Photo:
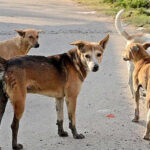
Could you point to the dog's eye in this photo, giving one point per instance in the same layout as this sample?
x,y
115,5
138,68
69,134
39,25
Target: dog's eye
x,y
87,56
37,36
99,54
31,37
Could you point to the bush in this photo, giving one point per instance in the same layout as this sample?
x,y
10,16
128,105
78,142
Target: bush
x,y
109,1
129,3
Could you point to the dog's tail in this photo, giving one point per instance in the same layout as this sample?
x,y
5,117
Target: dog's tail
x,y
3,64
3,96
119,27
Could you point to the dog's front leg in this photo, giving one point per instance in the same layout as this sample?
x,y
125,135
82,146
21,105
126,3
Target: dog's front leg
x,y
71,106
60,116
130,80
136,97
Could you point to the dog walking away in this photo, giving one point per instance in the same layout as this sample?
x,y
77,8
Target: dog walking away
x,y
141,77
137,38
59,76
18,46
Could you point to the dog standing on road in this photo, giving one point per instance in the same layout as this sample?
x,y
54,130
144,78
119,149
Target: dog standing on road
x,y
60,76
141,77
18,46
137,38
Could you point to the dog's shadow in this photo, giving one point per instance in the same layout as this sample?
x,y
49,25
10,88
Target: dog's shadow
x,y
142,123
3,149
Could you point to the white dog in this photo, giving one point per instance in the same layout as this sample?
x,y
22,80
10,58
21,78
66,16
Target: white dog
x,y
136,38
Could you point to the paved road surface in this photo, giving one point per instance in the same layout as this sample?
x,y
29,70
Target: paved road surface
x,y
103,93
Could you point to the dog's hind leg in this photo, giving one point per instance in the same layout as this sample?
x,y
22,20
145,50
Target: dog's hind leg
x,y
60,116
147,133
15,127
3,101
18,111
17,98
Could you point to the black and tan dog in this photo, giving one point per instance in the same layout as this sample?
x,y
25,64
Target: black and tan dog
x,y
141,77
59,76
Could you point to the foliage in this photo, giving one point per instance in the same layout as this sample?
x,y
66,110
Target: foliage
x,y
129,3
136,12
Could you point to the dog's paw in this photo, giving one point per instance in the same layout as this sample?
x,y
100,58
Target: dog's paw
x,y
144,94
63,134
18,147
136,119
79,136
146,137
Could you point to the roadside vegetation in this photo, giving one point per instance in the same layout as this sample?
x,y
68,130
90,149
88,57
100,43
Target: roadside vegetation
x,y
137,12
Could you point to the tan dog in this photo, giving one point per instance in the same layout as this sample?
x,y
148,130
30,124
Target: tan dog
x,y
141,77
18,46
60,76
136,38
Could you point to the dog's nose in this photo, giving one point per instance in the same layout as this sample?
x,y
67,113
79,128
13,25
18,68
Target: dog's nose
x,y
95,68
125,59
36,45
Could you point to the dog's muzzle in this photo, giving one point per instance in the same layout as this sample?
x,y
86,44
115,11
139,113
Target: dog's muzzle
x,y
36,45
95,68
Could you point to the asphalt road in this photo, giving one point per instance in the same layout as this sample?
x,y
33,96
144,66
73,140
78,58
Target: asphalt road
x,y
105,92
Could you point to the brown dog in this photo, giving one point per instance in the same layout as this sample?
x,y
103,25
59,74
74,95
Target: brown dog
x,y
18,46
141,77
60,76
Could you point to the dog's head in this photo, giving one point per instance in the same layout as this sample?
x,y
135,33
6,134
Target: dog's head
x,y
134,51
30,36
91,53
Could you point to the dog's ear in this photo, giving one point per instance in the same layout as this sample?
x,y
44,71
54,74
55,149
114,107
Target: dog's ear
x,y
135,48
40,31
104,42
146,45
80,44
21,32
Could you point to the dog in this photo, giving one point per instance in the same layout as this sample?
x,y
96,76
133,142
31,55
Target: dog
x,y
141,77
59,76
137,38
18,46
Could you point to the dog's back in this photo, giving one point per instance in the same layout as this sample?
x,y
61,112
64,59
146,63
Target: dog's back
x,y
7,49
38,73
142,72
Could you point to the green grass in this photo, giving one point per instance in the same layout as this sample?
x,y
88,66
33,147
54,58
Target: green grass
x,y
99,6
136,16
